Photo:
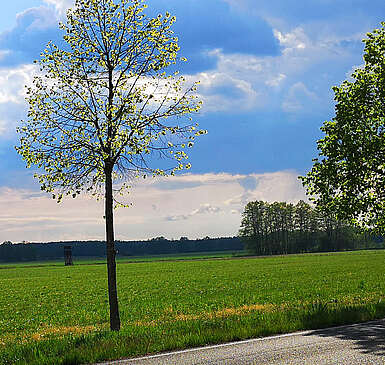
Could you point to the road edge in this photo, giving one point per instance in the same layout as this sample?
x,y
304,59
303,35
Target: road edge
x,y
258,339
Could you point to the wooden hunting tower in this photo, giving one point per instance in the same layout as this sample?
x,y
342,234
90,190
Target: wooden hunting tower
x,y
68,255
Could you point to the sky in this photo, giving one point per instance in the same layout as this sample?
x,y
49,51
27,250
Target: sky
x,y
266,70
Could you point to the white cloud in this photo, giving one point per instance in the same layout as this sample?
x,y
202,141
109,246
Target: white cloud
x,y
298,98
61,6
240,82
277,186
207,204
203,209
298,52
292,41
12,82
43,18
220,92
245,82
276,81
12,95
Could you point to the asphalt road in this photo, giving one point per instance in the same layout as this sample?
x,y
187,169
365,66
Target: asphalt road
x,y
357,344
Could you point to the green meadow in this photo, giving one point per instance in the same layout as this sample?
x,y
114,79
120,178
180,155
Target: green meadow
x,y
51,314
129,259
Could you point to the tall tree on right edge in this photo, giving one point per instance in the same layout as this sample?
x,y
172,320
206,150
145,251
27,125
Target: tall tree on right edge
x,y
348,177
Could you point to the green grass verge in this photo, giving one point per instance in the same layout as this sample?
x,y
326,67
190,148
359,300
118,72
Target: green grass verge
x,y
59,315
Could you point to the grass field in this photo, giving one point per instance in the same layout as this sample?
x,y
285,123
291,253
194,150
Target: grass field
x,y
59,315
128,259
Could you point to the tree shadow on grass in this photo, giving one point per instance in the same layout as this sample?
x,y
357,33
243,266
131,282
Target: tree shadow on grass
x,y
369,338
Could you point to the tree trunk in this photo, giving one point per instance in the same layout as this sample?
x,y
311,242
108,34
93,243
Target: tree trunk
x,y
111,253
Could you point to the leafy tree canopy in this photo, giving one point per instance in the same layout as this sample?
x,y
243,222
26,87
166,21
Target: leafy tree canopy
x,y
105,100
348,177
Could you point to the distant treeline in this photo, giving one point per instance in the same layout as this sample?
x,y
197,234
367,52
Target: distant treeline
x,y
54,250
282,228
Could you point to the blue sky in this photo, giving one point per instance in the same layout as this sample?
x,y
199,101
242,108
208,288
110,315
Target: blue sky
x,y
266,70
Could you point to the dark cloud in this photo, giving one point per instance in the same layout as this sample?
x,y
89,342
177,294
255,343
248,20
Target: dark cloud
x,y
176,185
202,27
175,218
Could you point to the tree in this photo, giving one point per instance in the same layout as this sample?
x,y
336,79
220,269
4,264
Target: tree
x,y
348,177
305,225
103,109
253,226
282,228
